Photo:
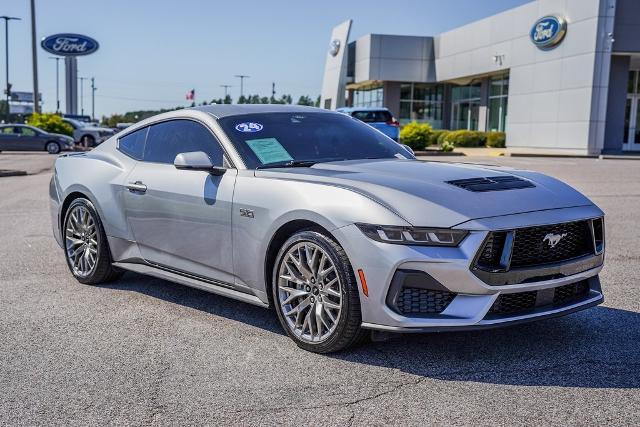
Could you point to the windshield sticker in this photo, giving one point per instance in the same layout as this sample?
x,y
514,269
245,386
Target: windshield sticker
x,y
249,127
269,150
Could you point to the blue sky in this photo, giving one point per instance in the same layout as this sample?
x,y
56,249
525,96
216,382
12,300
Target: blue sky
x,y
152,52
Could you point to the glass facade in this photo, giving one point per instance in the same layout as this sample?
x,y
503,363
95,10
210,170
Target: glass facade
x,y
465,106
421,102
498,100
632,112
369,97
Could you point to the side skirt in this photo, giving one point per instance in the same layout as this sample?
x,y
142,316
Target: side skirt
x,y
215,287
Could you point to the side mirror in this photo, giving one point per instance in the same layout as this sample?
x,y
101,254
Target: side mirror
x,y
197,161
409,149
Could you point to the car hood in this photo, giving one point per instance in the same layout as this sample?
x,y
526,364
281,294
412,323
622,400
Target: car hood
x,y
419,192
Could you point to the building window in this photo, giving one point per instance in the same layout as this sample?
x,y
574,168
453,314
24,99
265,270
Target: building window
x,y
498,100
421,102
368,97
465,106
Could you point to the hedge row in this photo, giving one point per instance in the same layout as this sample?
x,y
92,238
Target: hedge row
x,y
420,135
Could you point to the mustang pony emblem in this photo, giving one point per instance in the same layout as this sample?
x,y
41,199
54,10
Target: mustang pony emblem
x,y
553,239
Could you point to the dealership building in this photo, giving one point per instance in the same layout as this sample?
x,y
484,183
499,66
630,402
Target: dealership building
x,y
558,76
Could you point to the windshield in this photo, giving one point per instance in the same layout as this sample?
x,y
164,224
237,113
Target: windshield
x,y
302,139
75,123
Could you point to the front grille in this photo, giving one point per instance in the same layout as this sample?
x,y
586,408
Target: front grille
x,y
491,252
523,302
492,183
423,301
533,246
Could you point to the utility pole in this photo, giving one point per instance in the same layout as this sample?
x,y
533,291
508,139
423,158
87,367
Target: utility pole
x,y
34,58
226,89
82,79
273,91
242,77
6,47
57,58
93,99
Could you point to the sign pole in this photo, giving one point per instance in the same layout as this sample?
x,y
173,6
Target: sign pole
x,y
34,59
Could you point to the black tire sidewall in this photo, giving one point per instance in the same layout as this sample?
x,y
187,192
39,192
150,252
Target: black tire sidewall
x,y
350,308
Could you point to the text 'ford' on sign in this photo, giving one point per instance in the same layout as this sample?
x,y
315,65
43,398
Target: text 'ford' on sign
x,y
548,31
69,44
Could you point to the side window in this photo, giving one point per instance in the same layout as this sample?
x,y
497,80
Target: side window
x,y
365,116
27,131
168,139
133,144
7,130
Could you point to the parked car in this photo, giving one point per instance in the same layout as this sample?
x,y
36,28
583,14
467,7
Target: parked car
x,y
87,134
379,118
337,227
28,138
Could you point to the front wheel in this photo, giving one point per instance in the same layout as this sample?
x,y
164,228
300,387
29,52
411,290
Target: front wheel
x,y
316,294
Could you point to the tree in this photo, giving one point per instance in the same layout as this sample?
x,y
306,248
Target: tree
x,y
227,100
242,100
49,122
305,100
317,101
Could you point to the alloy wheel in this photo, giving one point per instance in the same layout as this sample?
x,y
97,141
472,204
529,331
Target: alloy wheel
x,y
309,292
81,241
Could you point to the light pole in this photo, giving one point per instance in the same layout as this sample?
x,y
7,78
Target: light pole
x,y
6,47
57,58
241,77
93,99
82,79
226,90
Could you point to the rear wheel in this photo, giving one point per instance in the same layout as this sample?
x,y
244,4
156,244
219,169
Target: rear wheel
x,y
86,247
316,294
52,147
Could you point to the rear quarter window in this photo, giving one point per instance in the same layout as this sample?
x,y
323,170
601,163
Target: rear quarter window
x,y
372,116
133,144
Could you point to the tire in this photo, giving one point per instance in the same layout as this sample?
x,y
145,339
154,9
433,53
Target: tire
x,y
88,140
52,147
334,329
89,238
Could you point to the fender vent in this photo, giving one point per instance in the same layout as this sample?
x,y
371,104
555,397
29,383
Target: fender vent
x,y
492,183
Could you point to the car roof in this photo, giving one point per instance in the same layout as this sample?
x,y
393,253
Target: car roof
x,y
227,110
352,109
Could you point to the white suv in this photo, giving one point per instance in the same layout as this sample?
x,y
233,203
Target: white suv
x,y
87,134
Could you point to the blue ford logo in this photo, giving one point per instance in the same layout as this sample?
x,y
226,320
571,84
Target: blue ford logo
x,y
69,44
548,31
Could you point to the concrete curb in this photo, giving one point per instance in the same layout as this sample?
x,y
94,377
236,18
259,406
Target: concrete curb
x,y
5,172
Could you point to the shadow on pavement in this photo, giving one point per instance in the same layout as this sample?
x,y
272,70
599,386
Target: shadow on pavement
x,y
596,348
199,300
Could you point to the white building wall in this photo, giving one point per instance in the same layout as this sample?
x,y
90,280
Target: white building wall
x,y
557,98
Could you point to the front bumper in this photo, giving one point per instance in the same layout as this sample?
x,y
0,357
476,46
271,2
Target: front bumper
x,y
472,306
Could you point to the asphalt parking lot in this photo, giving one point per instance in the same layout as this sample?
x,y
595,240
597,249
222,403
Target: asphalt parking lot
x,y
143,351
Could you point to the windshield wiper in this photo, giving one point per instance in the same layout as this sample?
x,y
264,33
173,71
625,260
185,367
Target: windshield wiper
x,y
296,163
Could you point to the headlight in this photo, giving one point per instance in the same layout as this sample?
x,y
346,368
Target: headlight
x,y
413,235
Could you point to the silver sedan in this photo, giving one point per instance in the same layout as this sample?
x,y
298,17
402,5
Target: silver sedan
x,y
334,225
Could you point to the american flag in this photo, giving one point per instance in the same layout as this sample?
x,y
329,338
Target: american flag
x,y
191,95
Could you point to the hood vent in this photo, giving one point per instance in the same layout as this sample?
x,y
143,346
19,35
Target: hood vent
x,y
492,183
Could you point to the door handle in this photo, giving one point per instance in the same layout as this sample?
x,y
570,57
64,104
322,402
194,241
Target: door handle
x,y
137,187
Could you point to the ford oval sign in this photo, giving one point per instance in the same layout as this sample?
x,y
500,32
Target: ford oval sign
x,y
548,31
69,44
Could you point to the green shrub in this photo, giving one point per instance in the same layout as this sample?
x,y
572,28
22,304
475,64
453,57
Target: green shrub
x,y
50,123
416,135
441,137
435,134
447,146
496,139
466,138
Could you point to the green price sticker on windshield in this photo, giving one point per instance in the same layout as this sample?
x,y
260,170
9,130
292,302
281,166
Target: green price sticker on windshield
x,y
269,150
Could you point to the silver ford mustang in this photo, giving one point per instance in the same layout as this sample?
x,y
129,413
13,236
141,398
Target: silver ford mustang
x,y
327,220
